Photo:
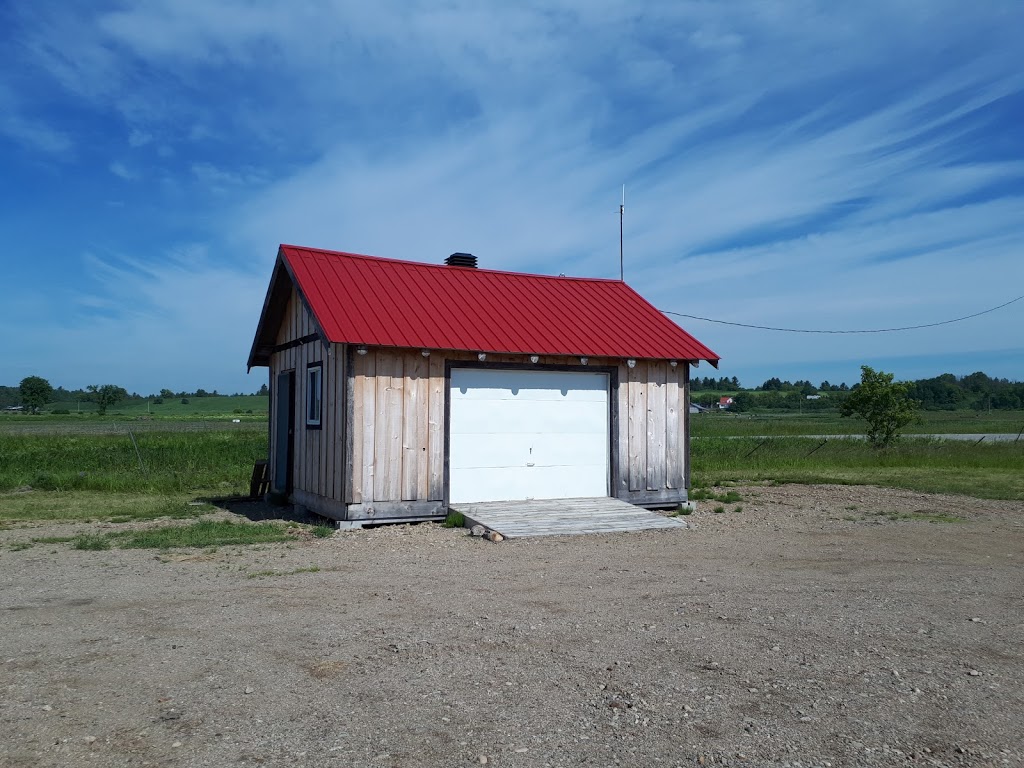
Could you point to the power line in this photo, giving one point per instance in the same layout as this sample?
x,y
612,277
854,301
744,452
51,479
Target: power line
x,y
870,330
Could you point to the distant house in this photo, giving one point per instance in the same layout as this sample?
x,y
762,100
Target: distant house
x,y
694,408
399,387
814,397
724,403
15,408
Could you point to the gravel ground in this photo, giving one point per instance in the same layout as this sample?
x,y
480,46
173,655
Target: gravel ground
x,y
804,630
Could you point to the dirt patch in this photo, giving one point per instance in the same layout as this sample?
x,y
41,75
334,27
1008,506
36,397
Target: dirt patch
x,y
820,625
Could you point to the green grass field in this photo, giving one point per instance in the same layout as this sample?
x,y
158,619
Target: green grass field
x,y
726,424
988,471
166,462
197,407
100,477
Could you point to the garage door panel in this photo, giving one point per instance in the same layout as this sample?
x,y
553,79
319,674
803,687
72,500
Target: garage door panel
x,y
527,434
485,384
487,417
508,483
524,450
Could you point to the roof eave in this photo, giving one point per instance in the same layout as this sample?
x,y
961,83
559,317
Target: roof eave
x,y
259,354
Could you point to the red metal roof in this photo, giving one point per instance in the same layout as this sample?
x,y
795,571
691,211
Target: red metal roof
x,y
385,302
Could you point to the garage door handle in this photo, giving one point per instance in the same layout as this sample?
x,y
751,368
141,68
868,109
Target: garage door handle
x,y
530,464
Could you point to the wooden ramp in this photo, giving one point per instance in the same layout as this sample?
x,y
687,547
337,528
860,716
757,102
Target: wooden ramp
x,y
555,517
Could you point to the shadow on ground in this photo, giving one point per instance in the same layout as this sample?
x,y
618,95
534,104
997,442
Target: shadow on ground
x,y
259,511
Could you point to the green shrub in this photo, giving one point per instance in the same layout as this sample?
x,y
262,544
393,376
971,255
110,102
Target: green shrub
x,y
455,520
60,412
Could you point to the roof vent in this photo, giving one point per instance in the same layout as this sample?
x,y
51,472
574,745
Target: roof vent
x,y
461,260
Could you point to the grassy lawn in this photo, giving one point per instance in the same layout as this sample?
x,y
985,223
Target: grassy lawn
x,y
171,462
173,407
989,471
84,506
76,478
725,424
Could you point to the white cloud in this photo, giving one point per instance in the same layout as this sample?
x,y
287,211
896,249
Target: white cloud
x,y
139,138
122,171
28,131
786,164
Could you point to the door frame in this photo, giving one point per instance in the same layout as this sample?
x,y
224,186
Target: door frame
x,y
613,409
284,410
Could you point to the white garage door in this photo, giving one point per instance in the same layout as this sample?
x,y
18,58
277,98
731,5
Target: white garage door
x,y
527,435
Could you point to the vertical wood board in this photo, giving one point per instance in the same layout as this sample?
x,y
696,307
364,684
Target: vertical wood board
x,y
673,456
638,426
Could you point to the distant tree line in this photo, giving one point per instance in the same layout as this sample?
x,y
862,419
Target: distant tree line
x,y
976,391
35,392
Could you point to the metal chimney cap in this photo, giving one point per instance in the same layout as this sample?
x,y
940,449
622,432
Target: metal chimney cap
x,y
461,260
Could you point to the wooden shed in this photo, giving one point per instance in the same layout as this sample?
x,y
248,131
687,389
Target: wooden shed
x,y
399,387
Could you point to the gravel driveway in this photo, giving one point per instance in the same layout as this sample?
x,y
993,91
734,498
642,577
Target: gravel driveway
x,y
805,630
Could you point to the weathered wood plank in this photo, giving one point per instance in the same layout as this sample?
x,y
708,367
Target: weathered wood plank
x,y
556,517
345,426
369,398
340,466
422,383
387,458
638,426
412,403
673,456
435,427
623,430
355,425
390,510
656,425
326,432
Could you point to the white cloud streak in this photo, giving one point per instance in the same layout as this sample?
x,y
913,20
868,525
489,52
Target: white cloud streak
x,y
799,164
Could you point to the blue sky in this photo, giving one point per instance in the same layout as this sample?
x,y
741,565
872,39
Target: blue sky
x,y
797,164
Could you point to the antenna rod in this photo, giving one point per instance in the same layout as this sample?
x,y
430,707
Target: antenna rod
x,y
622,208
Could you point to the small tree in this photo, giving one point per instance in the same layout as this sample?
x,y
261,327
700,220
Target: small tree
x,y
35,392
107,395
885,405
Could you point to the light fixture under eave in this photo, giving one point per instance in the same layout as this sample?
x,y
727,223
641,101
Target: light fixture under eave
x,y
584,360
481,356
673,363
695,363
534,358
361,350
631,363
425,352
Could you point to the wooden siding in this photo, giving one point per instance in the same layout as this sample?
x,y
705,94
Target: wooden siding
x,y
318,456
398,421
653,400
384,440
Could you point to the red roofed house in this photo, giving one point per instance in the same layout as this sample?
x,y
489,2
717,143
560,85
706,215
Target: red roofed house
x,y
399,387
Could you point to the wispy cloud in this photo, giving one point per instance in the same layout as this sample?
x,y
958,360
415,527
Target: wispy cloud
x,y
801,164
122,171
